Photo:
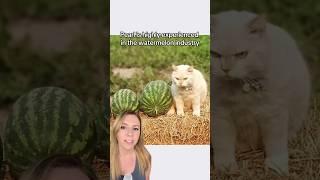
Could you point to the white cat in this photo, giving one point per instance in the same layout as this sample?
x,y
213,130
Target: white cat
x,y
189,89
261,89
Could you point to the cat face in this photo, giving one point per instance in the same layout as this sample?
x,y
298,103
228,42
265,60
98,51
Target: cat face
x,y
182,75
238,45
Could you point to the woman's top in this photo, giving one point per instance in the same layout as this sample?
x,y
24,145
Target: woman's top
x,y
136,174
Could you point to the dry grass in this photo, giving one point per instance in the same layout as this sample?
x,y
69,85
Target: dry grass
x,y
304,152
167,130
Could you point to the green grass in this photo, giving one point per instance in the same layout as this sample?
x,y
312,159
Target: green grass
x,y
155,61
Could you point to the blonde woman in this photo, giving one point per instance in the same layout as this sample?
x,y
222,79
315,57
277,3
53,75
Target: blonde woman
x,y
130,160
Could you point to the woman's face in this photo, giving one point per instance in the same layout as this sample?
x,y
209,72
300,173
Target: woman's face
x,y
129,132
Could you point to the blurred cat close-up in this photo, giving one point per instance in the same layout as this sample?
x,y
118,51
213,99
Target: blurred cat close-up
x,y
261,89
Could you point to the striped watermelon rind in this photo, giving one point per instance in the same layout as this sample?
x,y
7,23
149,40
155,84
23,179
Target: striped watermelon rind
x,y
156,98
44,122
124,100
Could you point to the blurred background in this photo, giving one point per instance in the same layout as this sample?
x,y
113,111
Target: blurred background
x,y
52,43
301,20
55,43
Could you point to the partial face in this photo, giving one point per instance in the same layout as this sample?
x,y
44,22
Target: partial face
x,y
182,75
238,47
129,132
66,174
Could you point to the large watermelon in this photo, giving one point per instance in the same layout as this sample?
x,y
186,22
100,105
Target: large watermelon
x,y
124,100
156,98
44,122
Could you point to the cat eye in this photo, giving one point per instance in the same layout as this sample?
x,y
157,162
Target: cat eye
x,y
241,54
215,54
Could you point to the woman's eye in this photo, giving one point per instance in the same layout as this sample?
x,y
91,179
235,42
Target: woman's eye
x,y
241,54
215,54
185,78
122,127
136,129
177,79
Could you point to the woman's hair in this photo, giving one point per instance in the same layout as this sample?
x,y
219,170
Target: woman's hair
x,y
43,168
143,156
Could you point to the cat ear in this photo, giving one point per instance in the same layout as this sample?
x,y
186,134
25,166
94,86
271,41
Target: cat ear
x,y
257,25
190,68
174,67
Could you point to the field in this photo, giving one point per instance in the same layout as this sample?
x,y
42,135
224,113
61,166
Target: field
x,y
150,62
134,66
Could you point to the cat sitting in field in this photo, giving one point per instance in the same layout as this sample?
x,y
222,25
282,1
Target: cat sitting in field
x,y
189,89
261,89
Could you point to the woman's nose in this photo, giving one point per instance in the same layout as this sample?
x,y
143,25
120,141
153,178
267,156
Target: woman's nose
x,y
129,132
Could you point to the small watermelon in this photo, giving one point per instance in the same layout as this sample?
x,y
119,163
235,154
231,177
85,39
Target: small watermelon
x,y
124,100
156,98
44,122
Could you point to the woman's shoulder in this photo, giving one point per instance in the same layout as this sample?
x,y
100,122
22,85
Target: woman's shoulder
x,y
137,173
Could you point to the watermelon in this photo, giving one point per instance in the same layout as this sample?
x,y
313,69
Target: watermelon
x,y
124,100
44,122
156,98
